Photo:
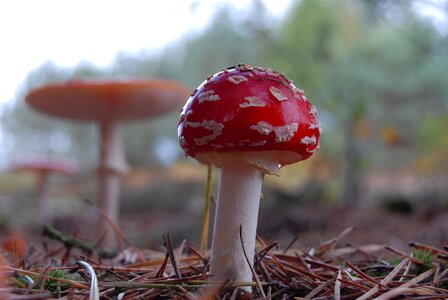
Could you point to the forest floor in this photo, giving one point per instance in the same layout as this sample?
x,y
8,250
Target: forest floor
x,y
308,250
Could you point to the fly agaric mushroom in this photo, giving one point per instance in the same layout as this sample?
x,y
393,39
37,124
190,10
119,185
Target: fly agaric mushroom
x,y
108,103
43,167
248,121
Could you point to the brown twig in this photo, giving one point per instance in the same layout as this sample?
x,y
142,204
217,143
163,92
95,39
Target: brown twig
x,y
169,249
72,242
254,274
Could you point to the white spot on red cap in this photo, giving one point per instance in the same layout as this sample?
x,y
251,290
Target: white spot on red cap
x,y
184,115
313,110
297,92
252,101
229,116
313,150
237,79
313,126
182,141
308,140
277,94
257,144
285,133
282,133
263,127
208,96
216,146
250,143
316,126
213,126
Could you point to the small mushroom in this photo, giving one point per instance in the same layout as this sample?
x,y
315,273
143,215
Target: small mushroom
x,y
107,103
43,167
248,121
14,244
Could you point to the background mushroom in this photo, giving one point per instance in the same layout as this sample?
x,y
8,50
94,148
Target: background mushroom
x,y
248,121
108,103
43,167
14,244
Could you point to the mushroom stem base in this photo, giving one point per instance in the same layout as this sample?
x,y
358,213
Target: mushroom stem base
x,y
237,206
112,165
109,202
44,205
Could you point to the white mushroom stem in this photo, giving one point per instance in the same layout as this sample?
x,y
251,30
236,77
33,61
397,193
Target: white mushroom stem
x,y
237,206
112,165
112,157
44,201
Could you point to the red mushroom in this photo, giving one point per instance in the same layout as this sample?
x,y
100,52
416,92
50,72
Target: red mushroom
x,y
108,103
248,121
15,245
42,167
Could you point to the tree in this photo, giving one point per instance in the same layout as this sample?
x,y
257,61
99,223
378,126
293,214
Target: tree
x,y
363,69
188,60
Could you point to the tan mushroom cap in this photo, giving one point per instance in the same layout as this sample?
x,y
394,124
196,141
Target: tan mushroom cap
x,y
101,100
65,166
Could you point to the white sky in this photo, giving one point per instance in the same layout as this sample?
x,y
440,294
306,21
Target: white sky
x,y
69,31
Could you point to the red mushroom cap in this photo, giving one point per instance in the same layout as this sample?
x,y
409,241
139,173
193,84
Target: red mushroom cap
x,y
245,109
98,100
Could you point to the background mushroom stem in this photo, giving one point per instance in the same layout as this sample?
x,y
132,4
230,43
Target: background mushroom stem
x,y
112,165
44,201
112,155
238,203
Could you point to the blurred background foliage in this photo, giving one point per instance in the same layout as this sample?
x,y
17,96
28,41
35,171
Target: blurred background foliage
x,y
376,70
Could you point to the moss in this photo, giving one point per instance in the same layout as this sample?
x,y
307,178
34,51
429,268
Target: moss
x,y
426,257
